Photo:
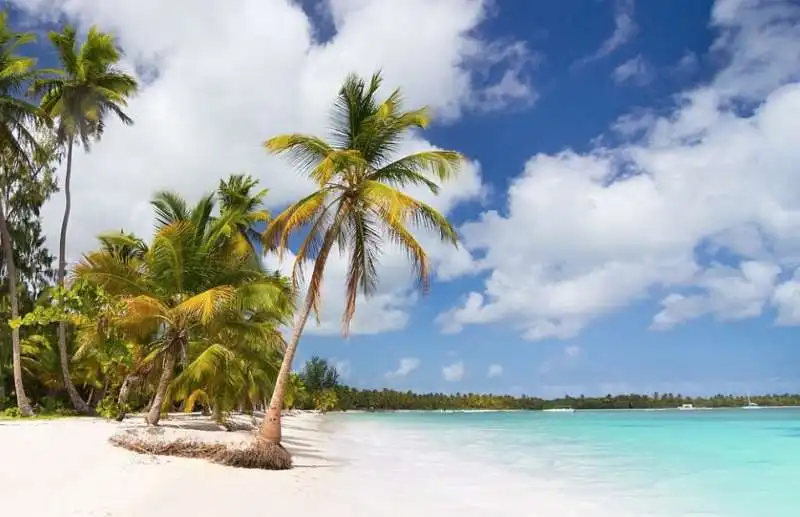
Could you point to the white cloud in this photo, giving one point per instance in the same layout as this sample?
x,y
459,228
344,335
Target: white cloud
x,y
572,351
406,366
344,368
625,29
216,88
585,234
453,372
495,370
786,299
727,293
635,71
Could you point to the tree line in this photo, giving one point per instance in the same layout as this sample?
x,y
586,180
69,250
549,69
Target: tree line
x,y
187,317
317,386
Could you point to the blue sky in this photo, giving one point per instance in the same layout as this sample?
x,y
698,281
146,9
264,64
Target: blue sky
x,y
626,226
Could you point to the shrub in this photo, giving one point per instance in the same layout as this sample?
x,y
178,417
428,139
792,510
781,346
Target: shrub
x,y
50,405
108,407
11,412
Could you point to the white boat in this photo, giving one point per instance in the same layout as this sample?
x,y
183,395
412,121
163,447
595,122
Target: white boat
x,y
686,407
750,404
559,410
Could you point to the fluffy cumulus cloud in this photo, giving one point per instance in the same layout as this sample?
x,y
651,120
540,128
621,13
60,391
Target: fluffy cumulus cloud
x,y
405,367
219,81
699,206
453,372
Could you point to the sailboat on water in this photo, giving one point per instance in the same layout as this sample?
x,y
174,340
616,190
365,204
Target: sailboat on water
x,y
750,404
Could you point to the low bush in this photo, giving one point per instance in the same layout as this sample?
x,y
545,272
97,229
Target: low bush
x,y
11,412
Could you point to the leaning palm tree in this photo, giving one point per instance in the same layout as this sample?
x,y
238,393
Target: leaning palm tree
x,y
186,287
358,204
88,86
17,147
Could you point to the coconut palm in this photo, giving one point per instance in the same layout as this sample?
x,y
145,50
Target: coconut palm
x,y
187,286
233,373
88,86
17,145
236,195
359,203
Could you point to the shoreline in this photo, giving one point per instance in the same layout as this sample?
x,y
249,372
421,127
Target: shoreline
x,y
344,467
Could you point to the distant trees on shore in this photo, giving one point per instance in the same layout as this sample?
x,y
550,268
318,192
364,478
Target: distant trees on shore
x,y
338,397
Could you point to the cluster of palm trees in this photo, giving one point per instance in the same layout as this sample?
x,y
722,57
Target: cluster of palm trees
x,y
191,315
73,102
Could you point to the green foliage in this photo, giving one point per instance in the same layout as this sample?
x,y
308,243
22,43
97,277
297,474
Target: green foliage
x,y
318,375
79,303
108,407
194,292
360,196
12,412
296,394
325,400
351,398
88,86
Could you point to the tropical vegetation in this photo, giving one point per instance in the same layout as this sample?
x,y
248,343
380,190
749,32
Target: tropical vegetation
x,y
188,318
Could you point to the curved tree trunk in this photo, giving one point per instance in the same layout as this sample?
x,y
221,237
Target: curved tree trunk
x,y
170,358
74,396
11,268
271,427
124,393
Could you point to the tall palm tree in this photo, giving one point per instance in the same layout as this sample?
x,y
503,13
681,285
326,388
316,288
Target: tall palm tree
x,y
358,203
187,287
88,86
17,146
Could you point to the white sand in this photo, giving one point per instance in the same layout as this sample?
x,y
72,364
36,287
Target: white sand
x,y
344,468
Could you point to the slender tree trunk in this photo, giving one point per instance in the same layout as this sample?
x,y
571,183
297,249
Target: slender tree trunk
x,y
74,396
124,392
171,356
23,403
217,414
271,427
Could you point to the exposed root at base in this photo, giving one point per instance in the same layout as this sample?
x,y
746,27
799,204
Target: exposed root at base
x,y
259,455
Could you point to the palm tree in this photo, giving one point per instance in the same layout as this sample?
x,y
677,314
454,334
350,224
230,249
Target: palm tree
x,y
187,288
17,146
358,204
236,372
88,86
236,195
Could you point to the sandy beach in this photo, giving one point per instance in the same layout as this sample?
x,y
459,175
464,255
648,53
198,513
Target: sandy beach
x,y
344,467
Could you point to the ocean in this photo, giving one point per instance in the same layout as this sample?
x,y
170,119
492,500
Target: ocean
x,y
721,463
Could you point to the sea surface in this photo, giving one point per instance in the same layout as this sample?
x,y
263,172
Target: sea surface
x,y
670,463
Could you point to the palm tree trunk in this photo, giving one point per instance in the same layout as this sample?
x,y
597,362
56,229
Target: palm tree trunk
x,y
271,427
171,356
124,393
217,414
23,403
74,396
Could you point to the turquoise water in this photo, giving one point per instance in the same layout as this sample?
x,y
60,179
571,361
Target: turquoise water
x,y
726,463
